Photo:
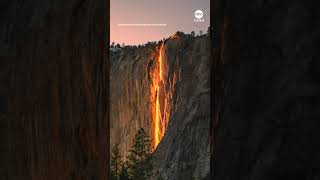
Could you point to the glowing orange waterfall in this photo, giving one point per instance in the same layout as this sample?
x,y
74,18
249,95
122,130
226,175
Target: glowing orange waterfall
x,y
156,90
157,133
161,96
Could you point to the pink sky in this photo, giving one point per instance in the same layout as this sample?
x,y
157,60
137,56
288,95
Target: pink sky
x,y
178,15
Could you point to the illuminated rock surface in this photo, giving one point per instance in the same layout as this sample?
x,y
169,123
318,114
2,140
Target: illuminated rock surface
x,y
182,88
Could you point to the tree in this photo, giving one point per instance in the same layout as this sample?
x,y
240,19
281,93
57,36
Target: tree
x,y
193,34
112,44
209,31
124,175
178,34
139,162
116,162
200,32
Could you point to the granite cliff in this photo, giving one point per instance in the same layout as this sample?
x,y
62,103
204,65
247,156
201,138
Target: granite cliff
x,y
170,80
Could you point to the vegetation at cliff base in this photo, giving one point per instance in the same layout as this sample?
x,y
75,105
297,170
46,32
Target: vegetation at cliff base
x,y
116,162
139,164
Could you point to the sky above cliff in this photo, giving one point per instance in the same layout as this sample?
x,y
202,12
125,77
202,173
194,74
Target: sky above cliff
x,y
138,21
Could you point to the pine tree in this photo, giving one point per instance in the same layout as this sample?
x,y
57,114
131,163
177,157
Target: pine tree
x,y
139,162
113,44
200,32
193,34
116,162
124,175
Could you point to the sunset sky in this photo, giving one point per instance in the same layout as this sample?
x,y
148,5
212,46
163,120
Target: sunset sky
x,y
178,15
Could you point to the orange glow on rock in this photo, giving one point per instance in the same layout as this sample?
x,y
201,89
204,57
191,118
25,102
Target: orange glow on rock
x,y
160,59
157,133
161,94
156,90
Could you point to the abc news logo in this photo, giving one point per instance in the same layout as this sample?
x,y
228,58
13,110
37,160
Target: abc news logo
x,y
198,14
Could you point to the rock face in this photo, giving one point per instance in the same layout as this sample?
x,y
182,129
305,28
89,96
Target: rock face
x,y
183,152
130,95
53,90
267,83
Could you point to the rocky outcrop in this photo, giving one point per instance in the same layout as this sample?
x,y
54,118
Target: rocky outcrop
x,y
267,83
183,152
53,90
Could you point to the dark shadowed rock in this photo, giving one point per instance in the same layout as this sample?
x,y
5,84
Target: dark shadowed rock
x,y
267,103
53,90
